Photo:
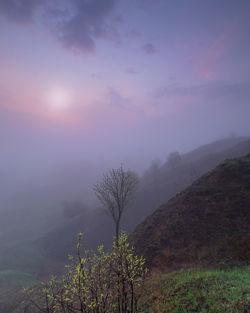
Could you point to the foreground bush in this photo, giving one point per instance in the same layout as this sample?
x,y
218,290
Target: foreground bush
x,y
94,283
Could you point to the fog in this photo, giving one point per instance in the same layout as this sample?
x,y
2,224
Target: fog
x,y
86,88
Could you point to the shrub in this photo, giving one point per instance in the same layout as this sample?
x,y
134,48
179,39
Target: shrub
x,y
97,282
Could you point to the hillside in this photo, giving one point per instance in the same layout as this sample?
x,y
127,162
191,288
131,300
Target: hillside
x,y
166,181
155,189
199,290
207,223
42,230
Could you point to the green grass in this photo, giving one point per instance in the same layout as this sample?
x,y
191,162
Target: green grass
x,y
184,291
197,290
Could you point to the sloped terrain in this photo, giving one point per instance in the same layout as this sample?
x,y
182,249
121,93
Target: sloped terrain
x,y
207,223
199,290
165,182
155,189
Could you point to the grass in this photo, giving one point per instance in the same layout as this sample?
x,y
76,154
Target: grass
x,y
198,290
184,291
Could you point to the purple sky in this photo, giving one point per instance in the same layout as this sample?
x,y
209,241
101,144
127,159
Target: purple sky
x,y
125,80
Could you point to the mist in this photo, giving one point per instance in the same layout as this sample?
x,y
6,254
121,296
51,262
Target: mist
x,y
87,86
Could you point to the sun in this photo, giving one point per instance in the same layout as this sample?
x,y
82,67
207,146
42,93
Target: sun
x,y
59,98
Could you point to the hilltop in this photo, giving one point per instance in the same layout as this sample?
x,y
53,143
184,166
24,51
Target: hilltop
x,y
207,223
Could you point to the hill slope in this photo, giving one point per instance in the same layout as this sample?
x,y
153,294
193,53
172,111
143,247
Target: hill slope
x,y
199,290
155,189
207,223
164,182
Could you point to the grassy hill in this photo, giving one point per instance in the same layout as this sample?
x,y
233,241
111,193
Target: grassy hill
x,y
199,290
207,223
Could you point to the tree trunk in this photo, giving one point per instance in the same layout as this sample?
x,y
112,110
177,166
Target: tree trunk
x,y
117,229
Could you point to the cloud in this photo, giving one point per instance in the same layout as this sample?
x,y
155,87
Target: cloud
x,y
132,35
209,60
77,24
144,4
149,49
116,99
224,94
131,71
88,23
19,11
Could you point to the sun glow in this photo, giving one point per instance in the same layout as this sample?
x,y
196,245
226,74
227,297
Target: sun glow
x,y
59,99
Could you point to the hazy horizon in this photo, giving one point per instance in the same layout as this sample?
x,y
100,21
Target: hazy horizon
x,y
102,83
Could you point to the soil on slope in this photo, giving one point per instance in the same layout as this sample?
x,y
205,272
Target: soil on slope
x,y
207,223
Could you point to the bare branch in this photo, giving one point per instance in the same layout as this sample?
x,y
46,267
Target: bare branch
x,y
115,191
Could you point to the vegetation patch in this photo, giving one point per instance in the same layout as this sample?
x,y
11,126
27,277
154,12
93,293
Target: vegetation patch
x,y
199,290
94,283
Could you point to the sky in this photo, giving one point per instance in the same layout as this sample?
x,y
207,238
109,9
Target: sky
x,y
122,81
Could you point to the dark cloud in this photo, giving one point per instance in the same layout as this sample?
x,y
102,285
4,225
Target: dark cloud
x,y
149,49
89,23
19,11
77,24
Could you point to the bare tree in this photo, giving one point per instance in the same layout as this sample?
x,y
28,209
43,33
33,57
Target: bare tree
x,y
114,192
